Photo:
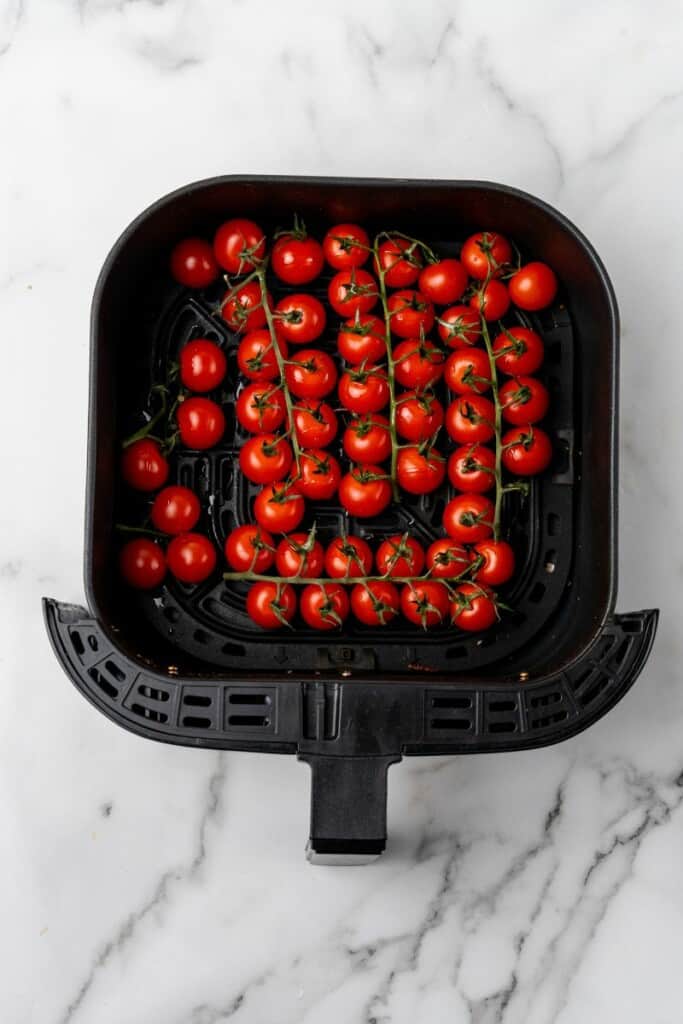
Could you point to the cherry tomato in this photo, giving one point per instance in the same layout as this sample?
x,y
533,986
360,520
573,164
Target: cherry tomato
x,y
202,365
533,287
485,254
201,423
175,510
468,518
243,310
265,458
324,605
311,374
471,418
300,318
375,603
346,246
271,605
524,400
256,355
410,314
472,468
315,423
362,340
418,364
348,557
492,299
143,466
260,408
425,604
249,548
296,258
473,608
498,564
446,559
193,263
459,326
400,260
468,370
142,563
443,282
352,291
418,415
518,350
420,472
400,556
526,450
320,475
237,243
191,557
364,389
299,555
365,491
368,438
279,508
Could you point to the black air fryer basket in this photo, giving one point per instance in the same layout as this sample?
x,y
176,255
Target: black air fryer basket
x,y
185,665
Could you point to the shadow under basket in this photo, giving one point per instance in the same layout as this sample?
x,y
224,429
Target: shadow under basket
x,y
185,665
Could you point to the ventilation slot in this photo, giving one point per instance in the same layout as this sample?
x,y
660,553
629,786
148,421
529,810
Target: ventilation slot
x,y
594,691
546,720
77,642
194,722
248,698
459,724
192,700
502,705
545,700
502,726
620,655
153,694
451,702
236,650
151,714
92,642
103,683
248,721
114,670
554,524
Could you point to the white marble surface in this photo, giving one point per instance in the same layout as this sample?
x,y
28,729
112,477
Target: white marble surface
x,y
149,885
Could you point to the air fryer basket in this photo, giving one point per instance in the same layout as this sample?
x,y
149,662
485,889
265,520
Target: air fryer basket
x,y
186,666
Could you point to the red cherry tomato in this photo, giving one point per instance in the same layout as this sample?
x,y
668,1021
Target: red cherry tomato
x,y
518,350
446,559
142,563
265,458
260,408
175,510
471,418
193,263
485,254
243,310
320,475
425,604
459,326
191,557
365,491
472,468
418,415
296,258
352,291
375,603
202,365
368,438
348,557
279,508
468,518
533,287
324,605
410,314
524,400
443,282
299,555
492,299
364,389
143,466
468,370
271,605
420,472
311,374
201,423
249,548
315,423
346,246
362,339
473,608
237,243
498,564
300,318
400,556
418,364
400,260
526,450
256,355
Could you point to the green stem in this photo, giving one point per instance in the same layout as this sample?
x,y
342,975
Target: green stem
x,y
255,577
497,426
391,368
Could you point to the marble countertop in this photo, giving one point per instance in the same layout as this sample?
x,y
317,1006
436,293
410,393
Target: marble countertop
x,y
150,885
